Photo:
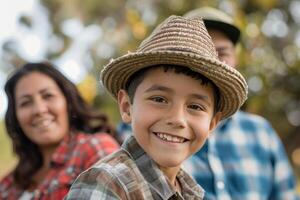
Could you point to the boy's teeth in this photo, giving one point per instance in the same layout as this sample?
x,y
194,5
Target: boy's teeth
x,y
170,138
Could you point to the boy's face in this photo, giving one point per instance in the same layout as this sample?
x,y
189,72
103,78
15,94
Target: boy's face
x,y
171,115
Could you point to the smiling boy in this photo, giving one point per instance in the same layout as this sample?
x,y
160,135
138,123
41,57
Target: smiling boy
x,y
173,90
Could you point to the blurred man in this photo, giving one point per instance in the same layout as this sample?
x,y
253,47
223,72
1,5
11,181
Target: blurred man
x,y
244,158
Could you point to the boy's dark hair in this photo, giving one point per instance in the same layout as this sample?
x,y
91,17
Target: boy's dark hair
x,y
139,76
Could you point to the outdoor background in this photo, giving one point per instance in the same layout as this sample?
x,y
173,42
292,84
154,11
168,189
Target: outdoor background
x,y
80,37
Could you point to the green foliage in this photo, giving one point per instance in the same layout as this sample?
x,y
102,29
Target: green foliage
x,y
8,160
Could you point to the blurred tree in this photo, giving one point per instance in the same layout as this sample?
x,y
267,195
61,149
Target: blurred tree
x,y
87,88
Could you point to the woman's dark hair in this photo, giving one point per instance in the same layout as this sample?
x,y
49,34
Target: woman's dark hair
x,y
81,118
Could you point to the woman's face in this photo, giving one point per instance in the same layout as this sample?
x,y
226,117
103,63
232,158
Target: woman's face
x,y
41,109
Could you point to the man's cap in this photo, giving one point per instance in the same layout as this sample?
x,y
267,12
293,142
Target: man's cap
x,y
183,42
214,18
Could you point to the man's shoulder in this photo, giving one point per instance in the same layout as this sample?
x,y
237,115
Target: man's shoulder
x,y
242,122
242,116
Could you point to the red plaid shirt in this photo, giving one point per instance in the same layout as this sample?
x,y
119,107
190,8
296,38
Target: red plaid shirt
x,y
73,156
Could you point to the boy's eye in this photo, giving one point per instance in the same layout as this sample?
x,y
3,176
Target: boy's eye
x,y
196,107
159,99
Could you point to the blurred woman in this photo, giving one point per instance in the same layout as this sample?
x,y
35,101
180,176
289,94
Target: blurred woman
x,y
51,129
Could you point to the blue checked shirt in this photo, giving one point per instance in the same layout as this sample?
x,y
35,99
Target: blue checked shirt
x,y
243,160
131,174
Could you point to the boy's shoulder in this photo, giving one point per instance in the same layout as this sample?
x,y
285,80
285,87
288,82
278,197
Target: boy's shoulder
x,y
115,176
117,163
120,166
129,172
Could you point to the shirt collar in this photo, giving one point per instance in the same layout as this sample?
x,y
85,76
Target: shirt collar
x,y
62,152
155,177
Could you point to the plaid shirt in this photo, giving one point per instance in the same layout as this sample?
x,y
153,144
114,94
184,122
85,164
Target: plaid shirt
x,y
130,174
74,155
243,159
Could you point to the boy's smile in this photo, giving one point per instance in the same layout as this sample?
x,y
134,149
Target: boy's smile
x,y
170,138
171,115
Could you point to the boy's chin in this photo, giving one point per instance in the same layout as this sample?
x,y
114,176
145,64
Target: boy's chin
x,y
168,163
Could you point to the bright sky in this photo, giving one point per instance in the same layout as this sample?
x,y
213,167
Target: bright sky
x,y
34,42
9,12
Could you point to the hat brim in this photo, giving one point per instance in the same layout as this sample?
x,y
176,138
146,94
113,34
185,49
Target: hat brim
x,y
231,84
232,32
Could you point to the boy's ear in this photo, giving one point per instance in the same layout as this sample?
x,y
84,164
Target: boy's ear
x,y
124,106
214,121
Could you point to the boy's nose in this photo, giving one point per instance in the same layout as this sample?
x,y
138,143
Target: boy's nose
x,y
176,117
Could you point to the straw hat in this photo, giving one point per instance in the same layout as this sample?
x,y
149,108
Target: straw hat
x,y
217,19
184,42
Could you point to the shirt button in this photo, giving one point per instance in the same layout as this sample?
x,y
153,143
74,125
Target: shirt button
x,y
220,185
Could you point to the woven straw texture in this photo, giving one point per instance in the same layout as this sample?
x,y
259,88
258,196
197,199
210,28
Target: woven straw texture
x,y
183,42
